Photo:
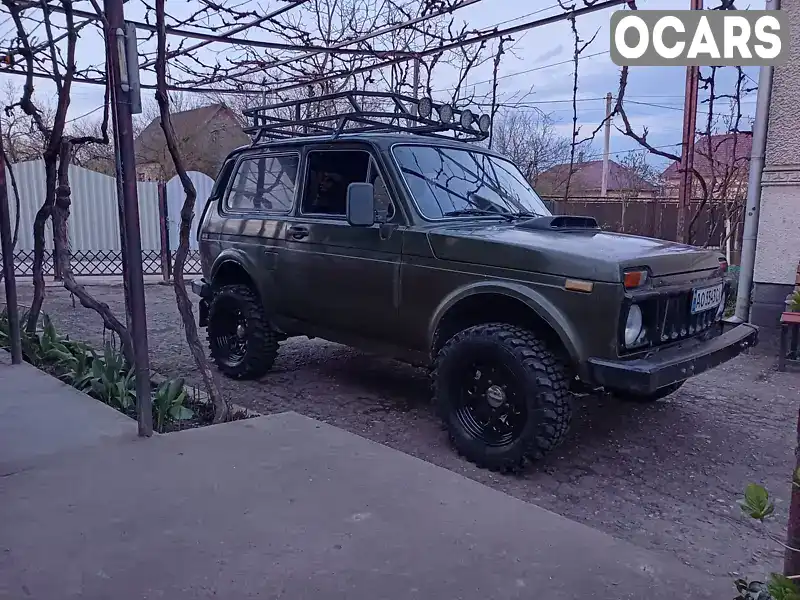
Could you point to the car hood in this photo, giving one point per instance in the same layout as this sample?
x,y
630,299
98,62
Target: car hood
x,y
582,254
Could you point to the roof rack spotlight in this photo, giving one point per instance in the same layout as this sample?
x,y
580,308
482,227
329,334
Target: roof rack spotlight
x,y
485,123
445,113
363,112
425,108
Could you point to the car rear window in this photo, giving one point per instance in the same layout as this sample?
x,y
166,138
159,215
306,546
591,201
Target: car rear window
x,y
264,184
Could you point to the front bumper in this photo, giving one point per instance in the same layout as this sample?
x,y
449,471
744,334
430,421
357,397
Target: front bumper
x,y
202,289
665,367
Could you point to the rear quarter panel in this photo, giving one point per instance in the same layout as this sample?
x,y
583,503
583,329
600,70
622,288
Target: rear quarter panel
x,y
254,243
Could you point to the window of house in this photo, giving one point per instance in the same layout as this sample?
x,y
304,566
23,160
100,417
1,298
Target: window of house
x,y
265,184
329,174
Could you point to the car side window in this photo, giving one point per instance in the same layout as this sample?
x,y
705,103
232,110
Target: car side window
x,y
328,175
264,184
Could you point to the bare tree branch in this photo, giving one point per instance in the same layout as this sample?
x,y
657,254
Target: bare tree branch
x,y
221,407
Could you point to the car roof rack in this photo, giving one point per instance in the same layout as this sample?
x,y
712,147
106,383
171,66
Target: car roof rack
x,y
364,112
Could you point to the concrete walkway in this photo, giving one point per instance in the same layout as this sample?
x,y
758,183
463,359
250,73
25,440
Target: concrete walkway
x,y
40,416
281,507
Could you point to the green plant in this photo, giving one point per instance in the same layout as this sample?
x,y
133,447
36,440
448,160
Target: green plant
x,y
31,350
168,404
79,375
782,588
54,349
795,301
757,505
111,381
38,349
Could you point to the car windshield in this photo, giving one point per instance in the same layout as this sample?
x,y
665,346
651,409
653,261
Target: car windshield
x,y
451,182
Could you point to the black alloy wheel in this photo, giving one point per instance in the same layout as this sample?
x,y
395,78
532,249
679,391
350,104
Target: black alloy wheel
x,y
490,404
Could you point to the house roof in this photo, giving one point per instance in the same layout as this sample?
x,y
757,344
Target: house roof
x,y
727,150
150,143
588,177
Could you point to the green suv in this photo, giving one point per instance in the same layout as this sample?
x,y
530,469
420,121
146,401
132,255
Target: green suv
x,y
438,252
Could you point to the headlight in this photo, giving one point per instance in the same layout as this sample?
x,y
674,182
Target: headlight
x,y
633,326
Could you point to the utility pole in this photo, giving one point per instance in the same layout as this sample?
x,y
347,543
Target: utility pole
x,y
129,230
414,89
606,147
416,76
687,149
12,311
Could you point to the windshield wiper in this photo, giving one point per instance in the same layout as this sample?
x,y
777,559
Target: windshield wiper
x,y
469,212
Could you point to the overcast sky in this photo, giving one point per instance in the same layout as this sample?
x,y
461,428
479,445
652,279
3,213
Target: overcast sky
x,y
655,95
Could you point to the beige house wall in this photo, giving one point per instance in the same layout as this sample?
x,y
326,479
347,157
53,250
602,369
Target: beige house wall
x,y
778,248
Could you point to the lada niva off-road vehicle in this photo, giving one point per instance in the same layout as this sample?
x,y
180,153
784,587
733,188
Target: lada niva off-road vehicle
x,y
382,229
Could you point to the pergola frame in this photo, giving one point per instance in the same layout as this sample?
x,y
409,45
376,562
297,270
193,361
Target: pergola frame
x,y
113,23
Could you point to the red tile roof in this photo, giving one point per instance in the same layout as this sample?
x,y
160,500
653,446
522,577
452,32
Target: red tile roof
x,y
727,150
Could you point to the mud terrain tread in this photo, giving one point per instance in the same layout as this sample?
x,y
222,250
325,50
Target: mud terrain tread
x,y
545,371
262,340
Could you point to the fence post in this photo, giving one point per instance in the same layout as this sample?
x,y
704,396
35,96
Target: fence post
x,y
163,222
658,212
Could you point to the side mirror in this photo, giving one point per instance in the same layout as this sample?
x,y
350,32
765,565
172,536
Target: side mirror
x,y
361,204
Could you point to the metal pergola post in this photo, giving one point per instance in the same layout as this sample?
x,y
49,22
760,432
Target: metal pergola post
x,y
129,230
12,309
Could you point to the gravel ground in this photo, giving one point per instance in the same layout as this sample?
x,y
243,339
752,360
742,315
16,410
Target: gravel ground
x,y
664,476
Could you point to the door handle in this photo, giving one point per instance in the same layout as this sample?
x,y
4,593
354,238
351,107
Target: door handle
x,y
298,232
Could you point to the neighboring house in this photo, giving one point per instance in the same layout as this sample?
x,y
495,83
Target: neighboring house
x,y
205,137
722,160
587,182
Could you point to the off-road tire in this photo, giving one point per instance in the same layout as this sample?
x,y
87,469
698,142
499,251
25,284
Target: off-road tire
x,y
262,340
542,377
647,398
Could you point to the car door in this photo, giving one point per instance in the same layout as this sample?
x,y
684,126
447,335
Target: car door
x,y
337,276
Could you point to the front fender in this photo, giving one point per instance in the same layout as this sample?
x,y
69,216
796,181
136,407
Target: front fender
x,y
545,309
233,255
262,279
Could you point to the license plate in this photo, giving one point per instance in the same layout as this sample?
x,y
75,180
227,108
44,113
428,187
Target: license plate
x,y
706,298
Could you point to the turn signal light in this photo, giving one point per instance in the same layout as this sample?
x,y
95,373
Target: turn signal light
x,y
635,279
723,266
578,285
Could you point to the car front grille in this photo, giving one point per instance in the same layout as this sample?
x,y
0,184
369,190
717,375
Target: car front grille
x,y
674,320
669,319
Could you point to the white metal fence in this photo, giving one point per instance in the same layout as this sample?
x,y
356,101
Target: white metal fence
x,y
94,218
175,197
